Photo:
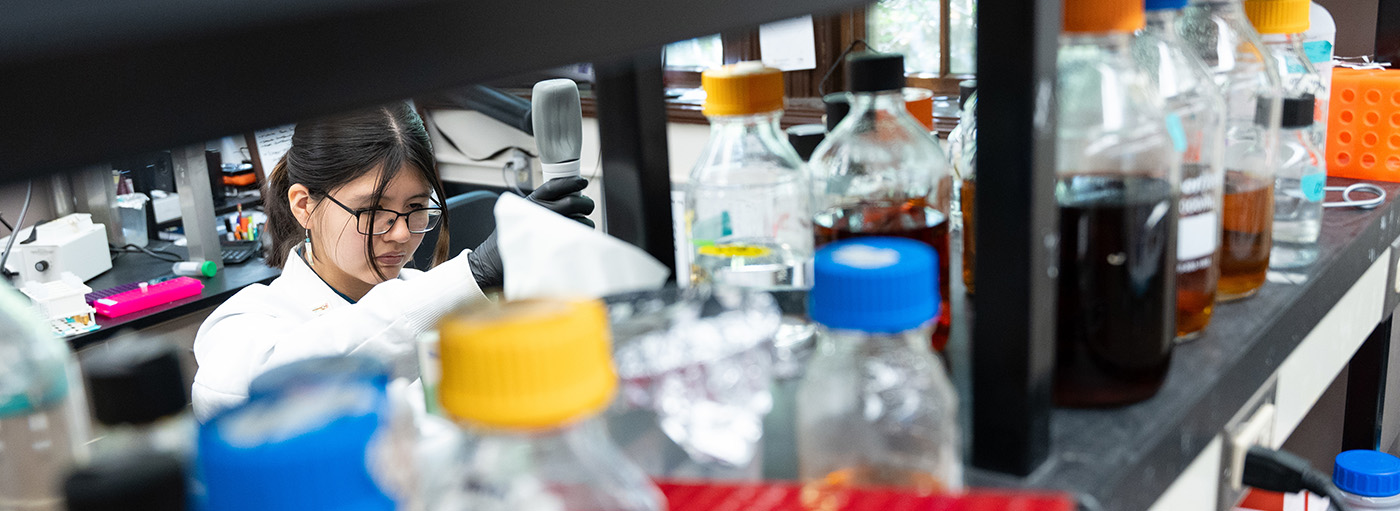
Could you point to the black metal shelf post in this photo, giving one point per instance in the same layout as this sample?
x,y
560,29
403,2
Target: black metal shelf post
x,y
1013,343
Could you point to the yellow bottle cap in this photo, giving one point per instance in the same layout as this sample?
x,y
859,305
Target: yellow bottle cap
x,y
1104,15
1278,16
745,88
526,365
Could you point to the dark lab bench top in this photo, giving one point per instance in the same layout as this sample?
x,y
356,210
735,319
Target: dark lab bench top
x,y
135,267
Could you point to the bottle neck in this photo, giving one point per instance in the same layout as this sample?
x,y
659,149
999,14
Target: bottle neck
x,y
890,101
762,124
858,343
1162,22
1111,41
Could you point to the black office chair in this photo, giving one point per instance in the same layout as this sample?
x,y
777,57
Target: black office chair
x,y
472,218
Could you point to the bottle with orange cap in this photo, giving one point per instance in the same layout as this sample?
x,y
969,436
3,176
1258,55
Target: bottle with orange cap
x,y
747,221
1117,187
528,381
1195,112
1218,31
1281,25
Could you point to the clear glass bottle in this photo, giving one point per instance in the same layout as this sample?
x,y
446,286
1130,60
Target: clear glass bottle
x,y
1220,34
747,219
1282,25
879,172
962,155
875,407
1298,189
1117,188
1195,112
43,412
527,381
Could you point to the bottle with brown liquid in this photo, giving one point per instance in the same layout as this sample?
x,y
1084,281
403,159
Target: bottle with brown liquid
x,y
1249,211
879,172
1117,189
962,155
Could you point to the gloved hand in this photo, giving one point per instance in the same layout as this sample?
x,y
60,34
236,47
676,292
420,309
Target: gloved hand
x,y
561,196
558,195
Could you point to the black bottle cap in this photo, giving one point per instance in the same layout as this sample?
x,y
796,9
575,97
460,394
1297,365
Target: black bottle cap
x,y
838,104
1297,112
147,480
135,381
965,90
805,138
875,72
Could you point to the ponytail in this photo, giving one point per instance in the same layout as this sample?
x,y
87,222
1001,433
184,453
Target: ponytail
x,y
283,231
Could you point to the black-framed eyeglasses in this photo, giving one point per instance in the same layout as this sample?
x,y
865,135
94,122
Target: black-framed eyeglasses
x,y
377,221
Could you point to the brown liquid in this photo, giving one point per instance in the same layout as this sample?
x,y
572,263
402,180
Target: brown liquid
x,y
1117,293
969,250
1197,276
1195,302
828,494
913,219
1249,222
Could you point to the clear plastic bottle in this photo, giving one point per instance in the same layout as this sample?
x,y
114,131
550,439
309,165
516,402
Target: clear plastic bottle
x,y
879,172
1219,32
1195,112
1281,25
313,448
747,219
1117,176
528,381
43,414
962,155
875,407
1319,42
1369,480
1298,189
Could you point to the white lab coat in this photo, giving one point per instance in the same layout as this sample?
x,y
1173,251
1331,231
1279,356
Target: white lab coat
x,y
299,316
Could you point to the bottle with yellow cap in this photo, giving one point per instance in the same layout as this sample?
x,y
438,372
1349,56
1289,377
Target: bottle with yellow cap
x,y
527,381
1195,112
1281,25
1219,32
747,221
1117,179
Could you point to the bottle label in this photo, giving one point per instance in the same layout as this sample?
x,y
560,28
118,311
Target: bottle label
x,y
1319,52
1313,184
1177,132
1197,236
733,251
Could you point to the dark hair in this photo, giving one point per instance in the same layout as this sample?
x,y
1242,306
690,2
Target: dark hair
x,y
330,152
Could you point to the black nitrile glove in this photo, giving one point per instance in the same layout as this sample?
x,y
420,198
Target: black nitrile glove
x,y
485,262
561,196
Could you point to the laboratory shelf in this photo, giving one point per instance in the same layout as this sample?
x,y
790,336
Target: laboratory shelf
x,y
82,81
1127,458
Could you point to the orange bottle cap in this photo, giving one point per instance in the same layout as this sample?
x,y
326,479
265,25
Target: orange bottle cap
x,y
745,88
1278,16
1104,15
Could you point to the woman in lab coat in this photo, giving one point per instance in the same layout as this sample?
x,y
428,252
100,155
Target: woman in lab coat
x,y
347,207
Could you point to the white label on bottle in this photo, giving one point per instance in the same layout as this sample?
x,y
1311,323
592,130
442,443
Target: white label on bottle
x,y
1197,236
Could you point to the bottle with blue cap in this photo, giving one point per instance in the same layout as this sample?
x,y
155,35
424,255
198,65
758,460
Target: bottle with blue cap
x,y
1369,480
1195,118
876,408
308,446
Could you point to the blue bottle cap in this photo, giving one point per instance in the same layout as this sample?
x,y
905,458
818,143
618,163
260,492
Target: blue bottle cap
x,y
321,370
876,285
1367,473
1157,5
298,451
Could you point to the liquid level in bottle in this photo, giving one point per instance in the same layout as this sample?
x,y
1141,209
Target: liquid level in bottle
x,y
1195,302
913,219
1116,290
967,200
828,493
1198,248
1244,249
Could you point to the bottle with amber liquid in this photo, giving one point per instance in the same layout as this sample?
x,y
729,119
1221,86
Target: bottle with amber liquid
x,y
875,408
1195,112
1117,189
1219,32
879,172
962,155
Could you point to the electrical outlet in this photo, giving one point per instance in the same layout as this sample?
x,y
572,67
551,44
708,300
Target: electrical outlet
x,y
1252,425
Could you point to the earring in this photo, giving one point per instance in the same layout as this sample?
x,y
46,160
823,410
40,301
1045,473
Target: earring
x,y
306,249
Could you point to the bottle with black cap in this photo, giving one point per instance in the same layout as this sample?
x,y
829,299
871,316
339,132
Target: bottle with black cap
x,y
43,415
880,172
1298,188
144,479
140,397
962,155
